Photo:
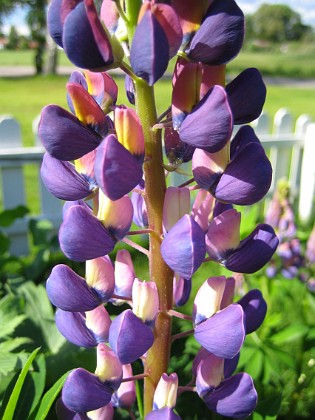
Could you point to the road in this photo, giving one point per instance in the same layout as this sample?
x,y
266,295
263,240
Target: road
x,y
20,71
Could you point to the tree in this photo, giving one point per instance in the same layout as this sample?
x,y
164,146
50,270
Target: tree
x,y
13,39
36,19
277,23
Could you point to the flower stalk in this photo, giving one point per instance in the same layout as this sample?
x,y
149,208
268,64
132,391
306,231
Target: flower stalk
x,y
157,358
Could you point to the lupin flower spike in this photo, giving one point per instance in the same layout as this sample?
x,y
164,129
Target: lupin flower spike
x,y
106,160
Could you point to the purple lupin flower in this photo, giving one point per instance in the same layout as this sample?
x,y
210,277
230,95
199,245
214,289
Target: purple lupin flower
x,y
106,160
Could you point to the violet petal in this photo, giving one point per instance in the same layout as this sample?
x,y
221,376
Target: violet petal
x,y
247,94
62,180
255,308
209,125
83,237
70,292
254,251
117,171
63,136
165,413
222,334
235,397
54,24
220,36
129,337
149,49
89,47
183,248
83,391
72,326
247,178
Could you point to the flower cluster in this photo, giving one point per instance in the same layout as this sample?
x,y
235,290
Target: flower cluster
x,y
290,259
106,161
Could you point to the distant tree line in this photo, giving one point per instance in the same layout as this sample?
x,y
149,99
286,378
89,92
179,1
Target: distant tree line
x,y
276,23
271,23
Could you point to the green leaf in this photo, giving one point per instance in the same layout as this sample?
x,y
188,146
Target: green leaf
x,y
269,407
39,309
32,389
41,231
247,353
14,343
289,334
10,408
4,243
9,326
8,362
42,411
7,217
255,364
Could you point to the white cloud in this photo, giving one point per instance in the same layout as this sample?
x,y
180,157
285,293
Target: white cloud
x,y
21,29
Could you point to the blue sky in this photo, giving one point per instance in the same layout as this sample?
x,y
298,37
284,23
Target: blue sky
x,y
306,8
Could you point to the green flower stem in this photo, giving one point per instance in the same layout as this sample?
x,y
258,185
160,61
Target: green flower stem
x,y
157,358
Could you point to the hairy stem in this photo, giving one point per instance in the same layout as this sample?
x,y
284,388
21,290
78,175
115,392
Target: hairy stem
x,y
157,358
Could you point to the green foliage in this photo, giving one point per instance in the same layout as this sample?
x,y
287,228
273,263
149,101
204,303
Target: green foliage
x,y
12,403
277,23
13,39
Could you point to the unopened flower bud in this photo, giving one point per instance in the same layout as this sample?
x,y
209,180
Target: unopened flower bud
x,y
145,300
108,366
166,391
176,205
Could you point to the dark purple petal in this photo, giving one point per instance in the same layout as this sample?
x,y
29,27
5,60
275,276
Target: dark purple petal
x,y
247,94
63,136
83,391
84,40
130,89
209,125
54,23
241,139
140,216
230,365
181,290
220,36
247,178
220,208
70,292
69,204
72,326
83,237
255,308
62,180
129,337
254,251
117,171
235,397
149,49
222,334
65,414
183,248
165,413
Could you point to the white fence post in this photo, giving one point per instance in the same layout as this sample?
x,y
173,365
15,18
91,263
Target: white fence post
x,y
307,188
51,206
12,180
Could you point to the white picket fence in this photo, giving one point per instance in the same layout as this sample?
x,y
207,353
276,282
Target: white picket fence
x,y
290,149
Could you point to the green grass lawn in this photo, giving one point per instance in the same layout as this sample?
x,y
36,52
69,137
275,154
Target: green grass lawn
x,y
24,97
